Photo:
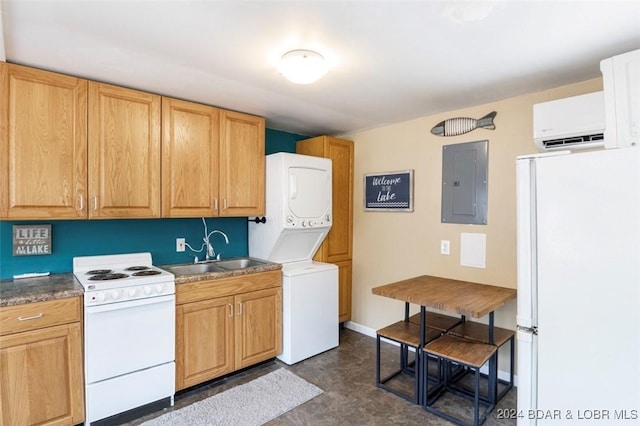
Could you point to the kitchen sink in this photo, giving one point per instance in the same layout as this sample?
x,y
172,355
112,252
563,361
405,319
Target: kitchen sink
x,y
240,263
215,266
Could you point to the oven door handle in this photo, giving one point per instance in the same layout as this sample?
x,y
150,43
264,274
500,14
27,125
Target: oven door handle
x,y
129,304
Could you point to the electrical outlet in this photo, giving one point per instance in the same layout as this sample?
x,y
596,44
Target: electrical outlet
x,y
180,244
444,246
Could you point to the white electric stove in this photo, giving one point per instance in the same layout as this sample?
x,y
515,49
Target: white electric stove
x,y
129,334
120,277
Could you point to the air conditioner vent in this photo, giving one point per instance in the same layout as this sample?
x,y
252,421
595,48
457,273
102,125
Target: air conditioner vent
x,y
574,140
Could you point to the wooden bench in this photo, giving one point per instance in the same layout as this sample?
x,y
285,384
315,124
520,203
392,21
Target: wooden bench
x,y
407,335
468,353
480,333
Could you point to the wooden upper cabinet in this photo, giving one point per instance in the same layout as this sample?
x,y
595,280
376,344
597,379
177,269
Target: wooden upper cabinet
x,y
72,148
43,144
190,145
124,152
338,246
242,164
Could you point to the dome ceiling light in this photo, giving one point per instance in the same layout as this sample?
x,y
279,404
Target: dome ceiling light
x,y
302,66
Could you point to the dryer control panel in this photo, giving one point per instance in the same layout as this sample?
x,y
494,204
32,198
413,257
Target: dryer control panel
x,y
296,222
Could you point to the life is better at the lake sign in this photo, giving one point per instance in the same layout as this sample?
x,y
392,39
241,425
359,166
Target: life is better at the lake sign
x,y
391,191
31,240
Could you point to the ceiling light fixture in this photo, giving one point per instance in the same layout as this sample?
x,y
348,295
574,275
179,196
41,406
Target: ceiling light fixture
x,y
302,66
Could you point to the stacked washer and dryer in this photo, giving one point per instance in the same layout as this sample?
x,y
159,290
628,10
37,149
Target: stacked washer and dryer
x,y
298,218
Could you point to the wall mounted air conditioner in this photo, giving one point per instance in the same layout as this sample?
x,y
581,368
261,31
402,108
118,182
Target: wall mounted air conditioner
x,y
577,122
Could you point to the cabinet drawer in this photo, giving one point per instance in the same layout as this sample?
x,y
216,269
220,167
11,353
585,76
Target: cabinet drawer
x,y
36,315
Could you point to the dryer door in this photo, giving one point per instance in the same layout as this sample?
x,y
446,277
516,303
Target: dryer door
x,y
309,193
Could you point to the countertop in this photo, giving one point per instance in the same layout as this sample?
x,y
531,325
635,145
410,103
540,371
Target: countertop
x,y
40,289
60,286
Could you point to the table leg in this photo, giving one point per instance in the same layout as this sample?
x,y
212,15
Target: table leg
x,y
493,366
404,351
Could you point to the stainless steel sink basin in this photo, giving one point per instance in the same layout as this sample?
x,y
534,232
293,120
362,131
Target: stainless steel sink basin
x,y
240,263
215,266
194,268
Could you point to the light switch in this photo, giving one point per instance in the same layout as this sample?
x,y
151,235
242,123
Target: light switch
x,y
444,246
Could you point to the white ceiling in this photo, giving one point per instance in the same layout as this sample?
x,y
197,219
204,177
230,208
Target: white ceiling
x,y
391,60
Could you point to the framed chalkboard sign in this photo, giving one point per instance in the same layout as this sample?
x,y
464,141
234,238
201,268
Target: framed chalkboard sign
x,y
391,191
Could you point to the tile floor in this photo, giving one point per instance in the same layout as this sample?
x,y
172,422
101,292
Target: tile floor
x,y
347,376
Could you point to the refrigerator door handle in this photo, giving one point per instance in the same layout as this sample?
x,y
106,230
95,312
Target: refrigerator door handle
x,y
532,330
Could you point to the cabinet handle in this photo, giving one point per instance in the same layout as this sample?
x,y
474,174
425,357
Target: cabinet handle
x,y
95,202
239,309
215,204
230,310
40,315
225,204
81,200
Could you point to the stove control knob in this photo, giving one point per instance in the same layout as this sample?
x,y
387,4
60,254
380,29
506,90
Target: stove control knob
x,y
290,219
158,288
147,289
115,294
304,224
132,292
101,297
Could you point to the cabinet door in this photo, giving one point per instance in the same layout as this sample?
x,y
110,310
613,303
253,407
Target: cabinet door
x,y
41,381
43,144
242,164
204,341
258,322
124,152
344,290
339,243
190,144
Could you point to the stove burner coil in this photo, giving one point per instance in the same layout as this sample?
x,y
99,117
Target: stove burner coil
x,y
99,271
147,272
136,268
108,276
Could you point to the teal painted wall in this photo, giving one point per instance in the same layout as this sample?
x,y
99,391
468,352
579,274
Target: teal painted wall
x,y
72,238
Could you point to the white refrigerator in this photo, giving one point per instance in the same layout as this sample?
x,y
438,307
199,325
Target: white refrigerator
x,y
578,232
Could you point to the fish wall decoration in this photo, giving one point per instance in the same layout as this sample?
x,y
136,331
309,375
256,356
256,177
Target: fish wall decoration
x,y
461,125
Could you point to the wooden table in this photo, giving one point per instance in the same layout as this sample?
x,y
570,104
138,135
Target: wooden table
x,y
462,297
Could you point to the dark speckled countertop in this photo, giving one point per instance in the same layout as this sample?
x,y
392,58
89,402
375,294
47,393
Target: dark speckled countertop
x,y
40,289
59,286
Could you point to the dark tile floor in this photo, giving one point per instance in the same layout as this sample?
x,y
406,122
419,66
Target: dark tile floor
x,y
347,376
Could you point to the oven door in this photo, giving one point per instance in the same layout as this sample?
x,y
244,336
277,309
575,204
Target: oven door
x,y
124,337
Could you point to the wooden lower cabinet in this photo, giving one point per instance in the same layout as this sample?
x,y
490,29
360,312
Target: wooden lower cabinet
x,y
344,290
204,341
225,325
258,326
41,381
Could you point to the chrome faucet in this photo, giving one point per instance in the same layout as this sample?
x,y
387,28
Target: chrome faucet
x,y
209,252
